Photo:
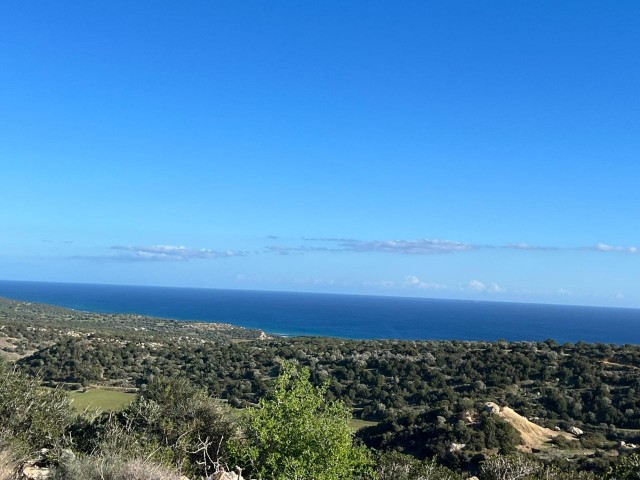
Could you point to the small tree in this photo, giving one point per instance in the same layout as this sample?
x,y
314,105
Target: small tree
x,y
298,435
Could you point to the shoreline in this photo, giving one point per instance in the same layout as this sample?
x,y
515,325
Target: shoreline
x,y
345,317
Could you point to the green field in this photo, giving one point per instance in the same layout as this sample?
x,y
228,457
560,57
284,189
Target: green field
x,y
356,424
106,400
102,399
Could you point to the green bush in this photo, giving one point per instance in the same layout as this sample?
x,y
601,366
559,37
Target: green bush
x,y
563,442
171,422
593,440
297,434
627,468
31,415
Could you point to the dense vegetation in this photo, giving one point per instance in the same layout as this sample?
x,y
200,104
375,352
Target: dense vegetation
x,y
426,398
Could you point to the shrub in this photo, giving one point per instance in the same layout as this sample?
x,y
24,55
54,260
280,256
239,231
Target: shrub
x,y
397,466
511,467
34,416
593,440
553,473
562,442
170,422
627,468
297,434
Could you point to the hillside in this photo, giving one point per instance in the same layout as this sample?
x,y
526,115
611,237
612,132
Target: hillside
x,y
534,437
423,398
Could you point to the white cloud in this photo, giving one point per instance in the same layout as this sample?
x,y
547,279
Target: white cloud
x,y
284,250
169,253
476,286
428,246
408,247
480,287
411,281
603,247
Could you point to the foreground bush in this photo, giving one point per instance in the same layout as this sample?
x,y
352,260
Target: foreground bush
x,y
298,434
513,467
171,422
396,466
520,467
30,415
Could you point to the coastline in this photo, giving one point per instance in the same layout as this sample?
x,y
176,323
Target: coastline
x,y
341,316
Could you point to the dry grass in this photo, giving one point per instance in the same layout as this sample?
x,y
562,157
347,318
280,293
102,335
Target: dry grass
x,y
7,465
114,468
142,470
533,435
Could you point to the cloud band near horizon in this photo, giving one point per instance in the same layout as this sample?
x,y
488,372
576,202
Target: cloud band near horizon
x,y
172,253
429,247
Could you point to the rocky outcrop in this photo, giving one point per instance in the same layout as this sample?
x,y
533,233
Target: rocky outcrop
x,y
457,447
37,468
36,473
575,431
492,408
627,446
226,476
223,475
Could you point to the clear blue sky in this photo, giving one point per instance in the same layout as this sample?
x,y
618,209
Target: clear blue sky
x,y
485,150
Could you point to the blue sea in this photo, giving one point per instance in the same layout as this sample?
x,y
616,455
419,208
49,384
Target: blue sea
x,y
346,316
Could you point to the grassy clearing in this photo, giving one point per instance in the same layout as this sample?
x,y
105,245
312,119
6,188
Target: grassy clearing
x,y
105,400
356,424
102,399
